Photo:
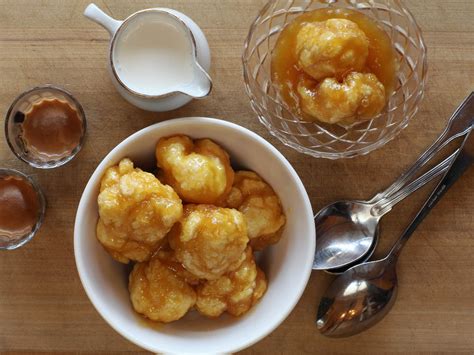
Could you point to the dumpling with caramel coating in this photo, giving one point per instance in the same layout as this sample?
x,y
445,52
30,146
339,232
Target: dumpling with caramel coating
x,y
167,257
209,241
199,171
136,211
159,293
235,292
331,48
360,97
260,206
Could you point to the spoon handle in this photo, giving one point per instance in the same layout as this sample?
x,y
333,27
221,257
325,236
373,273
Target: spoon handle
x,y
463,161
384,205
458,125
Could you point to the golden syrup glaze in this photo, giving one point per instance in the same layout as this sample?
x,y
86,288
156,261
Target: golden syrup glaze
x,y
381,59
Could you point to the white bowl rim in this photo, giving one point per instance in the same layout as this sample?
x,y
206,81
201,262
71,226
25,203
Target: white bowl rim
x,y
308,258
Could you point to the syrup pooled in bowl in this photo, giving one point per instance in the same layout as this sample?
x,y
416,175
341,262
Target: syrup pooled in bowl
x,y
287,74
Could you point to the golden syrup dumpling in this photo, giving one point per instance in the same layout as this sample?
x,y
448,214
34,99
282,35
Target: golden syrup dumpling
x,y
158,293
371,92
199,171
331,48
261,207
361,96
209,241
136,211
235,292
167,257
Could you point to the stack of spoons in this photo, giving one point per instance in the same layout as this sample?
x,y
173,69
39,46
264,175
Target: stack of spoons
x,y
347,233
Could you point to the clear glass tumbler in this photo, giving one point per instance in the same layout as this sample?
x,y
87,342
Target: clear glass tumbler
x,y
14,126
335,141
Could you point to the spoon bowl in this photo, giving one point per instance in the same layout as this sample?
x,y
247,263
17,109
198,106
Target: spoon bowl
x,y
346,231
363,259
358,299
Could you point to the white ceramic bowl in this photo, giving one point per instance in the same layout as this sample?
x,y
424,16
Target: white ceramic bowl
x,y
287,264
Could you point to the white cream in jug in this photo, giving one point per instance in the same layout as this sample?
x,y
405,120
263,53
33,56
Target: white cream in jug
x,y
153,54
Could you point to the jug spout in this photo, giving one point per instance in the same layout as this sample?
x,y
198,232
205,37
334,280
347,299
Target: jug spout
x,y
94,13
201,85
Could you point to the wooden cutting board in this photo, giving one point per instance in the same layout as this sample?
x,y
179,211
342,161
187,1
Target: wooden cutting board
x,y
42,304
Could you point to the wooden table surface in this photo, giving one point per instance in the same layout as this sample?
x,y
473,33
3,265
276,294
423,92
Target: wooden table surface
x,y
42,304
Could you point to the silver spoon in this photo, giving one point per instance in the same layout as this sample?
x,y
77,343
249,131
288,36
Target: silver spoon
x,y
365,293
347,230
400,195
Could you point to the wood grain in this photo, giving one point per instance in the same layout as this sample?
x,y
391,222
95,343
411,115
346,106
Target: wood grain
x,y
42,304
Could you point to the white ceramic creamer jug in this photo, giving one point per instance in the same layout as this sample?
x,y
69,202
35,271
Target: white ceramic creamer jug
x,y
158,58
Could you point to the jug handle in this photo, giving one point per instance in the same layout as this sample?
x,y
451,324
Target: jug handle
x,y
94,13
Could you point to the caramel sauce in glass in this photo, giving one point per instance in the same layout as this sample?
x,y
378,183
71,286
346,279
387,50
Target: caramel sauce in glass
x,y
52,128
381,60
19,207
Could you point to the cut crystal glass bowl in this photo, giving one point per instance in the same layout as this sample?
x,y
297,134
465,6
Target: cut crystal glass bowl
x,y
335,141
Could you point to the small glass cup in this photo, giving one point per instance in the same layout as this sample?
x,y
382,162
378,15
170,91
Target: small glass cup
x,y
7,242
15,116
